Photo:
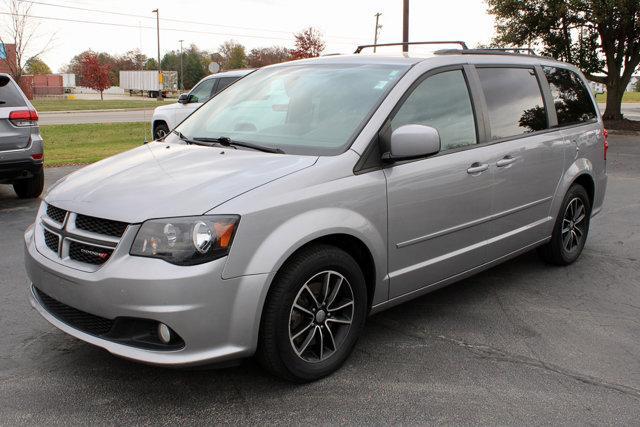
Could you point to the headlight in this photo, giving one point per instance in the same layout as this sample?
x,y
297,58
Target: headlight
x,y
186,241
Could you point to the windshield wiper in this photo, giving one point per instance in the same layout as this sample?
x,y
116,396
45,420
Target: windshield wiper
x,y
228,142
187,140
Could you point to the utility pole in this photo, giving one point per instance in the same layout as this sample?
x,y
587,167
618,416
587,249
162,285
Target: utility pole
x,y
181,74
405,25
160,76
378,27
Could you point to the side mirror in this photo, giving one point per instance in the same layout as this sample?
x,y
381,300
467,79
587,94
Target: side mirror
x,y
184,98
412,142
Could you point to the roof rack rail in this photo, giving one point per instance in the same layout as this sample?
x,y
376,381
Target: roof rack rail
x,y
461,43
528,50
489,51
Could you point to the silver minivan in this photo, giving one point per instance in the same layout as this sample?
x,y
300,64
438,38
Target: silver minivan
x,y
313,193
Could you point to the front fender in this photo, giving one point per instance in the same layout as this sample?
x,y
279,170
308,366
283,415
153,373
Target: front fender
x,y
273,251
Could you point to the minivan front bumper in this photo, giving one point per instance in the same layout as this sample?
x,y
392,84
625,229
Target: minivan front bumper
x,y
218,319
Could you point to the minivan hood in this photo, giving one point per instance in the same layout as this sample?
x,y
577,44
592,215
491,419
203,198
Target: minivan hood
x,y
169,179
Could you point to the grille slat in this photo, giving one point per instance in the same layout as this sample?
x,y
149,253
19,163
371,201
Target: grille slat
x,y
106,227
78,319
56,214
51,240
88,253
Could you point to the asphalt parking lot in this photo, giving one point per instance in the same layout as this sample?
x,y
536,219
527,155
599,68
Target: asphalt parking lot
x,y
522,343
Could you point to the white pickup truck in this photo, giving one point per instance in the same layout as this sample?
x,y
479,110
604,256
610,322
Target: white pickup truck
x,y
169,116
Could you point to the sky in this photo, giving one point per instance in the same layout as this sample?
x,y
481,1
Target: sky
x,y
254,23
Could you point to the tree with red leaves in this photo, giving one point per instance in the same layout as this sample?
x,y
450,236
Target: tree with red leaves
x,y
309,44
94,73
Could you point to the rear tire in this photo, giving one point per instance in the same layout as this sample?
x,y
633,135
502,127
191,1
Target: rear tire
x,y
304,307
570,230
30,188
160,130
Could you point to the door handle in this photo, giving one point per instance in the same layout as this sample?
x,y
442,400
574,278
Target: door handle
x,y
477,168
505,161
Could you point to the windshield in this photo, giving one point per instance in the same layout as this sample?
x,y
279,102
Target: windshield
x,y
300,109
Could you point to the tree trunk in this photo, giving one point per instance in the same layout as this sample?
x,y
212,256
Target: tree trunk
x,y
613,110
102,98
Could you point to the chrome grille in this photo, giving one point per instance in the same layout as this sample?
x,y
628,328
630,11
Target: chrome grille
x,y
80,240
56,214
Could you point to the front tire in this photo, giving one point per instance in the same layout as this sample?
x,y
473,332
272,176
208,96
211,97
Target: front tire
x,y
571,228
30,188
313,315
160,130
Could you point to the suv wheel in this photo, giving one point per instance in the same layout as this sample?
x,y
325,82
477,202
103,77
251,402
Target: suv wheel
x,y
313,315
160,130
571,228
29,188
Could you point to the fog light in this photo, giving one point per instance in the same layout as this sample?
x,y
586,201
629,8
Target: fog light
x,y
164,333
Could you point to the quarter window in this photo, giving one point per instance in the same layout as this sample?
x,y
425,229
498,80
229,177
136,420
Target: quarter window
x,y
441,101
570,96
514,101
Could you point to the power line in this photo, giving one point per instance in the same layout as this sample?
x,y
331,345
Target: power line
x,y
113,24
85,9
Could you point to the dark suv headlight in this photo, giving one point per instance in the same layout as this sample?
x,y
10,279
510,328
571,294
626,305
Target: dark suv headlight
x,y
186,240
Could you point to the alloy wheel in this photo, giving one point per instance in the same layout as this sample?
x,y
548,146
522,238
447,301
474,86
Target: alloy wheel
x,y
574,225
321,316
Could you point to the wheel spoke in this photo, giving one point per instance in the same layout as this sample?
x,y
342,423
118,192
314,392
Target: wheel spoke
x,y
578,212
310,292
345,305
325,287
580,219
321,342
341,321
334,292
578,232
566,241
331,338
302,331
307,340
302,309
574,236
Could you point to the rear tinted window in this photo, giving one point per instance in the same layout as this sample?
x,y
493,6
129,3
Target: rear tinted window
x,y
514,101
571,97
10,95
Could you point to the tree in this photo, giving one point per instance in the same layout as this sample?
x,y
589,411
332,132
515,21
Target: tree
x,y
309,44
261,57
194,64
35,65
95,73
233,55
22,32
599,36
151,64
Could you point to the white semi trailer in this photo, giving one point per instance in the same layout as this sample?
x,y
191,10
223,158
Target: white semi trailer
x,y
148,82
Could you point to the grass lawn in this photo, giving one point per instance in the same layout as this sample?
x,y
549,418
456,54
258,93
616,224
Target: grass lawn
x,y
627,97
91,104
88,143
